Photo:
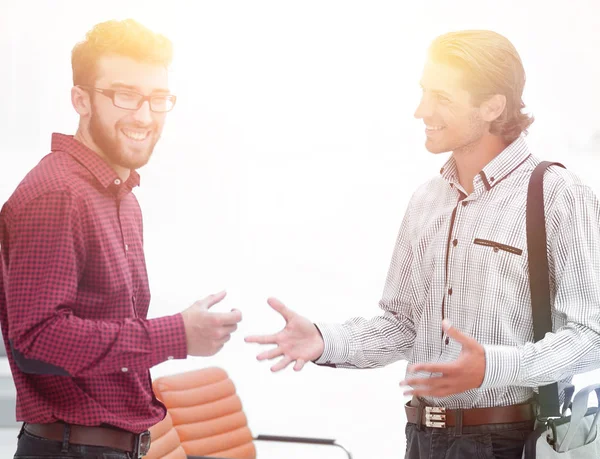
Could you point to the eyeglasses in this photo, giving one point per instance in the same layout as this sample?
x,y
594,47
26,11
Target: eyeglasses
x,y
131,100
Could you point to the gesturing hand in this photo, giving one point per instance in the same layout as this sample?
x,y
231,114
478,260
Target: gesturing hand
x,y
465,373
299,341
206,332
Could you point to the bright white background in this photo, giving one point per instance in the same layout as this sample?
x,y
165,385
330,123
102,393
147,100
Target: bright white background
x,y
287,164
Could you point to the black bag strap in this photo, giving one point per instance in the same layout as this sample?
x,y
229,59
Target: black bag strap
x,y
539,278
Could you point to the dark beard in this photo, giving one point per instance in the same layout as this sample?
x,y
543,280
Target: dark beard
x,y
110,146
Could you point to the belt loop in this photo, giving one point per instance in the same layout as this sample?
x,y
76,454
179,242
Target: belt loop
x,y
458,423
135,454
66,437
419,413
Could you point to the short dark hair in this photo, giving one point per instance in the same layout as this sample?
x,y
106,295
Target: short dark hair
x,y
125,38
491,65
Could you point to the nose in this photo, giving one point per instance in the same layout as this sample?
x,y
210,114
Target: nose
x,y
424,109
143,114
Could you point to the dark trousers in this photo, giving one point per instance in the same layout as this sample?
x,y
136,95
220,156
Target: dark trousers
x,y
490,441
33,447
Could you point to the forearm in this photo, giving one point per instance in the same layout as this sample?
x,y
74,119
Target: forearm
x,y
573,349
65,344
362,343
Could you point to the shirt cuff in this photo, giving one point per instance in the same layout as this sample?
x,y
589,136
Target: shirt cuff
x,y
337,344
167,335
502,366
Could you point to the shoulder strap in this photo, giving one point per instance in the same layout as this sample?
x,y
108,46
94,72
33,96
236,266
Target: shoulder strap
x,y
539,278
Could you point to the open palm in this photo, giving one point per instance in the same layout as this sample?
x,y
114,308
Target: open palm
x,y
298,342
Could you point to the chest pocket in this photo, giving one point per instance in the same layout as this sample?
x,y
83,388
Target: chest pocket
x,y
497,246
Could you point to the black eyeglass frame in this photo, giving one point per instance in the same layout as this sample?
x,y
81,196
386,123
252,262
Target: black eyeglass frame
x,y
110,93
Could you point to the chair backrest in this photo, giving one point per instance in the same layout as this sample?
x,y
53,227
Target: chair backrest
x,y
165,443
207,413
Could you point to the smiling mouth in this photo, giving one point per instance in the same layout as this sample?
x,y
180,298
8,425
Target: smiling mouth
x,y
138,136
433,128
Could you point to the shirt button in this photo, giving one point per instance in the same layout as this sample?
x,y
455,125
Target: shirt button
x,y
124,369
126,247
447,340
455,242
170,357
464,203
117,182
492,179
450,291
496,248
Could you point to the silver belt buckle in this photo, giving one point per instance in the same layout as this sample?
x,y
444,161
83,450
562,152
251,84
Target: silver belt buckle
x,y
142,444
435,416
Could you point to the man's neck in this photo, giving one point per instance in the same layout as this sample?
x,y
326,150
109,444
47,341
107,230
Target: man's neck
x,y
472,158
84,138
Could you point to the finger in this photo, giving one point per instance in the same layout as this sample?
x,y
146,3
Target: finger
x,y
456,334
299,364
213,299
283,363
227,318
444,368
216,349
261,339
426,383
229,328
270,354
223,340
436,392
286,313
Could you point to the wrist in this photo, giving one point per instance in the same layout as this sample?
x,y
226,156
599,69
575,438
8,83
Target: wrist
x,y
184,318
320,345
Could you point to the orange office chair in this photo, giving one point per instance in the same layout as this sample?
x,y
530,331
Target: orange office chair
x,y
165,443
206,415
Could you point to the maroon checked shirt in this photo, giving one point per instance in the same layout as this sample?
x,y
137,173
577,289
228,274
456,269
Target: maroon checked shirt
x,y
74,296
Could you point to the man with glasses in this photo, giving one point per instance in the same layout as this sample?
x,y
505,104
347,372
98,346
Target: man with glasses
x,y
74,291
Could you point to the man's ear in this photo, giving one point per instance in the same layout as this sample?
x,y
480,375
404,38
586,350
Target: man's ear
x,y
81,101
493,107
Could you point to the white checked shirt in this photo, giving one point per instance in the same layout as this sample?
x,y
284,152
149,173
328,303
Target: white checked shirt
x,y
465,258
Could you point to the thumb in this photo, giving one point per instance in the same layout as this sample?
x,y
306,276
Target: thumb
x,y
213,299
456,334
280,308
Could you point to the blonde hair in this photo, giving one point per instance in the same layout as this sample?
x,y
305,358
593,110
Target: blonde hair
x,y
125,38
491,65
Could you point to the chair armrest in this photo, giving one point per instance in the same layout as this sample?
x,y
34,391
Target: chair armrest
x,y
284,439
305,440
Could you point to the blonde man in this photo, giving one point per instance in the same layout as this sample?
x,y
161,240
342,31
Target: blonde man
x,y
456,302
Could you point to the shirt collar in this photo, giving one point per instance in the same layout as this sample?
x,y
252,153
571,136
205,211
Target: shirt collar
x,y
98,167
497,169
